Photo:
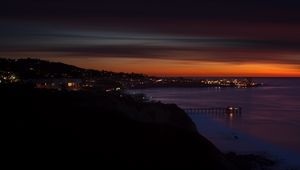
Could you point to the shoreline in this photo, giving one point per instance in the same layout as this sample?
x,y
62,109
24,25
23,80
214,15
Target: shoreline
x,y
228,140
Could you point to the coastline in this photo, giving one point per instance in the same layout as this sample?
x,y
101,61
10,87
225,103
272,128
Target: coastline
x,y
162,133
228,140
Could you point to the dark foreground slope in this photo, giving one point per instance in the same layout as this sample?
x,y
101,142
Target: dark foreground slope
x,y
51,126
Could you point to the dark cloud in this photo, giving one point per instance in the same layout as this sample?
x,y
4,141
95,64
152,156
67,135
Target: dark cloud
x,y
120,44
247,10
210,30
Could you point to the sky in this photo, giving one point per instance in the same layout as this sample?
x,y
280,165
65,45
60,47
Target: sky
x,y
165,38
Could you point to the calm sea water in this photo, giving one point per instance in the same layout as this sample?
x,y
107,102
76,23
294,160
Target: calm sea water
x,y
270,113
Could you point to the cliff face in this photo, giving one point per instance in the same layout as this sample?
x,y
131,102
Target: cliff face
x,y
169,114
156,113
99,128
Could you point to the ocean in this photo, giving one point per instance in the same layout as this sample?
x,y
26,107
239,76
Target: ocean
x,y
270,114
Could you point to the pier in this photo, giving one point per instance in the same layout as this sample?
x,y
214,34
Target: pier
x,y
217,110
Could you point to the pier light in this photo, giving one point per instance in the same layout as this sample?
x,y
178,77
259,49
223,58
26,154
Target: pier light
x,y
70,84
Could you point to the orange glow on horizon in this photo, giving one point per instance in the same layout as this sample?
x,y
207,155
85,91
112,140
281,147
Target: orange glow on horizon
x,y
164,67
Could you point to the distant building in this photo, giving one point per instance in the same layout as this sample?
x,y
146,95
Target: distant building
x,y
59,84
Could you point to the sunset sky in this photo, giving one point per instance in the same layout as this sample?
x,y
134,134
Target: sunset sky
x,y
168,38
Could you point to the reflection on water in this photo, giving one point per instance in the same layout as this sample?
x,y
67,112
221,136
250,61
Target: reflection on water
x,y
229,118
270,113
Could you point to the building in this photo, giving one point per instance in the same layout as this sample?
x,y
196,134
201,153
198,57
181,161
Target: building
x,y
58,84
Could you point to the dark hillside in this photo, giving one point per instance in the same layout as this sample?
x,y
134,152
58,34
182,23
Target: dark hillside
x,y
61,125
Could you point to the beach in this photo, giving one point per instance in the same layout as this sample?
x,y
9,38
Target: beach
x,y
231,140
